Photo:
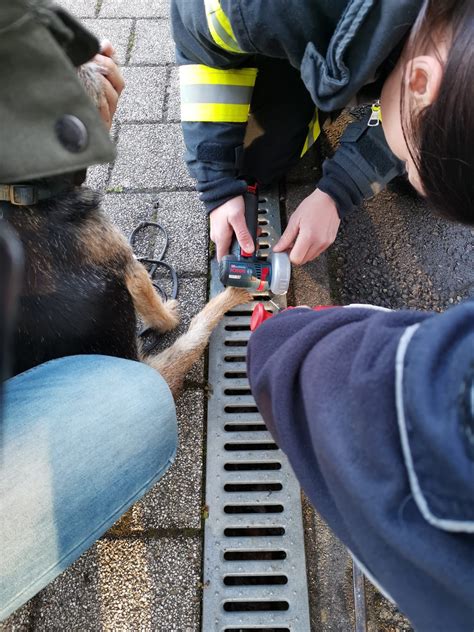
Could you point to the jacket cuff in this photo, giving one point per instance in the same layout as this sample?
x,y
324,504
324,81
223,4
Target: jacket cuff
x,y
341,188
361,167
215,193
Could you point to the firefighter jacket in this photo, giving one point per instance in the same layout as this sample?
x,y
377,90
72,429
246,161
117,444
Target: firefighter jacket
x,y
339,47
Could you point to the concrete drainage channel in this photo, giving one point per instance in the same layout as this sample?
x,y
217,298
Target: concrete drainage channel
x,y
254,560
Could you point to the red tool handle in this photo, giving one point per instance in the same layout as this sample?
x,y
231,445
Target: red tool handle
x,y
251,216
260,314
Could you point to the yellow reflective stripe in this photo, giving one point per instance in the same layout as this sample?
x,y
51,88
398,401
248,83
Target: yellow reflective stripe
x,y
313,133
220,27
197,73
218,40
214,95
214,112
223,20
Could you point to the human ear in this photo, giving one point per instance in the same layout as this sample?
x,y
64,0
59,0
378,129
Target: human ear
x,y
423,76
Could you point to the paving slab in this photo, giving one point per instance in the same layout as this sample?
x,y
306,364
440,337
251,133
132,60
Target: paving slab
x,y
127,211
97,177
176,501
174,105
153,43
182,214
117,31
80,8
151,156
150,585
143,96
135,9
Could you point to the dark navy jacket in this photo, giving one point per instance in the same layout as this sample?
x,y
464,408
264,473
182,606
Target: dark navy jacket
x,y
338,46
375,411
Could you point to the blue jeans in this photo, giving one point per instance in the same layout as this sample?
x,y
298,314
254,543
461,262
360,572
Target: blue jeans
x,y
82,439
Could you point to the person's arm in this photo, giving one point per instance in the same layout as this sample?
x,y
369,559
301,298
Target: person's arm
x,y
216,84
340,383
374,410
362,166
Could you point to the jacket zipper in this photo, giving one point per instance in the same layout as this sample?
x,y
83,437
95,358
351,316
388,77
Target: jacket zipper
x,y
376,116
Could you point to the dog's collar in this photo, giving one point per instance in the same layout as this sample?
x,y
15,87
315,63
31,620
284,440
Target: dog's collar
x,y
31,193
24,194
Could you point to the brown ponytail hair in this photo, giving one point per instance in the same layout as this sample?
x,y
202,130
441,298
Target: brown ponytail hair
x,y
441,137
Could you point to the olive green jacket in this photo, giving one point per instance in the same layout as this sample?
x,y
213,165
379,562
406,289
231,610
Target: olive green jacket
x,y
48,125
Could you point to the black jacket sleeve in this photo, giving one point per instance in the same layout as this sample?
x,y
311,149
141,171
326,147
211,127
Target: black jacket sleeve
x,y
213,149
361,167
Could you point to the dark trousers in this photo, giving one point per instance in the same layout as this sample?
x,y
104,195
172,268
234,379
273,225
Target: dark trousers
x,y
280,113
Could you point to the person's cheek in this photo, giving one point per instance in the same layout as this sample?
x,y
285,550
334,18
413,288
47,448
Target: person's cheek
x,y
391,116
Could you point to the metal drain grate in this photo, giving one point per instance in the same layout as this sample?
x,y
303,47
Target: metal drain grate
x,y
254,561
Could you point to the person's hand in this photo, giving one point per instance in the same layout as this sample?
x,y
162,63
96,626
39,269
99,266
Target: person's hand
x,y
312,228
227,220
113,82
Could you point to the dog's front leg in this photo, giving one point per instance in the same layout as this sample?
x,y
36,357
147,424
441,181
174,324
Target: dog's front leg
x,y
175,362
155,313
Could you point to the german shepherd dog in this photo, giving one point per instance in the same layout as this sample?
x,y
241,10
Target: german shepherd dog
x,y
82,286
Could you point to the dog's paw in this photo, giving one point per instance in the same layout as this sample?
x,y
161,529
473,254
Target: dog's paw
x,y
170,318
237,296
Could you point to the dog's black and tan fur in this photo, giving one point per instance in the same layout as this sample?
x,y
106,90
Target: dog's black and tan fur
x,y
83,287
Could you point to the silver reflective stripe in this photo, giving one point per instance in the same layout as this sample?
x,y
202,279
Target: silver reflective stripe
x,y
216,93
222,33
371,578
457,526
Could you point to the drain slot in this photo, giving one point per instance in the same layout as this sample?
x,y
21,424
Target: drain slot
x,y
239,447
253,487
234,359
252,509
235,409
236,343
235,375
255,580
240,556
253,532
257,630
245,428
255,606
253,545
237,391
252,466
244,312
